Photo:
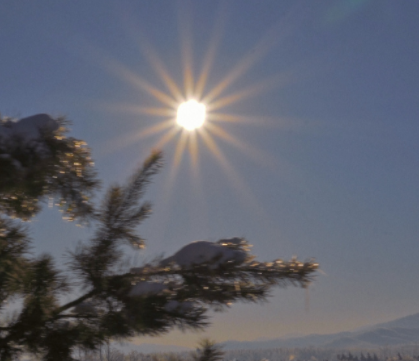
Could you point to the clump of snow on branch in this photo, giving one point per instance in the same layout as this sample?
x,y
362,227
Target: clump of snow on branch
x,y
86,307
176,306
37,160
233,250
28,130
145,288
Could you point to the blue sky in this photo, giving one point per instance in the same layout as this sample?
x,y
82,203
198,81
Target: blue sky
x,y
326,161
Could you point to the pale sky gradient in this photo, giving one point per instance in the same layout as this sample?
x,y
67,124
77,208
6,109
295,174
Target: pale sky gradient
x,y
327,164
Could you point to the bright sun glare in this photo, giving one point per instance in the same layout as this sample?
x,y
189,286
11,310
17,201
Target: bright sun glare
x,y
191,115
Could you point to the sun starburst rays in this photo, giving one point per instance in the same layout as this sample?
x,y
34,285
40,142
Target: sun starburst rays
x,y
186,52
141,84
236,181
194,153
257,155
155,61
210,54
192,144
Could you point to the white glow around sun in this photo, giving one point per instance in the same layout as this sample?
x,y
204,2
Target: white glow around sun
x,y
191,115
192,112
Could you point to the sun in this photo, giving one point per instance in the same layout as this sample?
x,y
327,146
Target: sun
x,y
191,115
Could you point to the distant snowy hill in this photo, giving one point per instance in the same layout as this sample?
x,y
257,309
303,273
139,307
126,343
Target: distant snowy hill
x,y
411,321
394,333
402,331
145,348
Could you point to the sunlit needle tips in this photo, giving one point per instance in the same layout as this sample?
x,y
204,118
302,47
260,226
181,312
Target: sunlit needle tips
x,y
191,115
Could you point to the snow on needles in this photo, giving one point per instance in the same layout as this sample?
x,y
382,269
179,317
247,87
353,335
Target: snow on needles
x,y
29,128
176,306
27,132
86,307
145,288
231,250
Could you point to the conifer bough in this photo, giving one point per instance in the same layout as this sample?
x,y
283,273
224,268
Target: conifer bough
x,y
38,162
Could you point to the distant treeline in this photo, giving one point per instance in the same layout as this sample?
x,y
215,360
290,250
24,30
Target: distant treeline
x,y
402,353
373,357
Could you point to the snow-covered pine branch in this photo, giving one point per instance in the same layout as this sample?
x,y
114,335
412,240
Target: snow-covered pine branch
x,y
38,160
219,274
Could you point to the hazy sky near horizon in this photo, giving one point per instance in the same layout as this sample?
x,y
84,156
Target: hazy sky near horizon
x,y
317,151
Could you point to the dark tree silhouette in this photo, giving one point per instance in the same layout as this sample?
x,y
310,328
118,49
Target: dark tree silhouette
x,y
208,350
38,162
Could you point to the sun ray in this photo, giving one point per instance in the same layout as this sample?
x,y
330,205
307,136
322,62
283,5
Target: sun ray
x,y
130,138
241,67
140,83
156,111
156,128
138,109
278,165
165,198
157,64
241,119
228,80
177,157
236,180
167,194
193,143
175,163
198,184
256,155
211,52
217,153
166,138
206,68
247,92
283,123
193,151
271,38
184,21
231,118
116,144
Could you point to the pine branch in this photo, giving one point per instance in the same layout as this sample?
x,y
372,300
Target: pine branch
x,y
37,163
75,302
149,300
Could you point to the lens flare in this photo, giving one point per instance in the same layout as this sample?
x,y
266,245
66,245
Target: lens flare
x,y
194,112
